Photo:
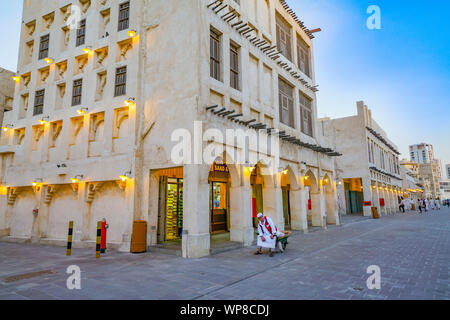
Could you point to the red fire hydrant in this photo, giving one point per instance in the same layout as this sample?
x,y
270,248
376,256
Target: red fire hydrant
x,y
105,226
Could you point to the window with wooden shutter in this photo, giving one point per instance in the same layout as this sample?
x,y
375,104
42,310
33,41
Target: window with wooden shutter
x,y
284,38
121,82
286,102
81,33
306,114
39,102
44,46
76,92
124,16
215,55
234,66
303,57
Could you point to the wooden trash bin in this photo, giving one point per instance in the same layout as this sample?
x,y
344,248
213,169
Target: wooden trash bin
x,y
139,238
375,214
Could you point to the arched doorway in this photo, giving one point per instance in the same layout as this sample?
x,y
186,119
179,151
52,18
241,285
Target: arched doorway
x,y
313,194
329,190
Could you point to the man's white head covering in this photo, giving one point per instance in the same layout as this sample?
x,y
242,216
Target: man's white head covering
x,y
260,215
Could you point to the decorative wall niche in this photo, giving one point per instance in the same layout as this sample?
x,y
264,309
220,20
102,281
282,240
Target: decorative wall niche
x,y
30,28
19,136
26,78
28,54
124,48
105,19
75,138
61,69
96,134
36,140
101,84
47,21
65,38
65,14
23,105
55,134
60,95
84,5
80,63
101,3
101,57
43,75
120,130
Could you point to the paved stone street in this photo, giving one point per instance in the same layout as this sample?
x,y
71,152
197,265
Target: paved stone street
x,y
412,250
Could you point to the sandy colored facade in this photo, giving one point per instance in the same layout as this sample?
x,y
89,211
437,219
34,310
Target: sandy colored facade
x,y
6,93
81,153
369,166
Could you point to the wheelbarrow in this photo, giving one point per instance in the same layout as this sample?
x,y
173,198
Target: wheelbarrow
x,y
282,242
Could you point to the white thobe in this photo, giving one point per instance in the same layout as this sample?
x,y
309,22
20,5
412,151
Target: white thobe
x,y
267,232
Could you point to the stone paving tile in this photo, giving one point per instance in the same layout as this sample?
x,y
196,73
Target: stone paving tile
x,y
412,250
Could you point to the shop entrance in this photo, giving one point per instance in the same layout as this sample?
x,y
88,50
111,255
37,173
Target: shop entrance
x,y
220,181
354,196
170,213
286,194
256,181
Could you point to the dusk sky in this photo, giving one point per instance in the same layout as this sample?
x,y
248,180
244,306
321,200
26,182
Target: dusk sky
x,y
402,71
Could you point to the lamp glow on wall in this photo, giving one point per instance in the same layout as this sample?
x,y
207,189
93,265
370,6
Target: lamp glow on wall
x,y
125,177
7,127
130,101
77,178
44,120
87,50
82,111
36,182
16,78
49,60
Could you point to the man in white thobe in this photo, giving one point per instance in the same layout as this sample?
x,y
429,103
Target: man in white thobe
x,y
268,234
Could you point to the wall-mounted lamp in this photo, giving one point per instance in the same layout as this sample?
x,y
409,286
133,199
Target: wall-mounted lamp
x,y
126,176
7,127
16,78
82,111
87,50
36,182
77,178
132,33
130,101
44,120
49,60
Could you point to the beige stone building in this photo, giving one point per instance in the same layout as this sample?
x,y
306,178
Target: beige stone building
x,y
6,93
412,188
369,167
98,106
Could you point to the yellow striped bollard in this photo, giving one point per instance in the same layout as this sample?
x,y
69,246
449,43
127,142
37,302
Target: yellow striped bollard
x,y
69,239
99,239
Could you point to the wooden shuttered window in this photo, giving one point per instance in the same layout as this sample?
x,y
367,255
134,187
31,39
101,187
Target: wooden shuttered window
x,y
44,47
121,82
284,38
124,16
286,102
303,53
81,33
215,55
39,102
76,92
234,67
306,114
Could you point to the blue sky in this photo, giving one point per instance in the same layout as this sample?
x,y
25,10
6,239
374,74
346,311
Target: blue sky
x,y
402,71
